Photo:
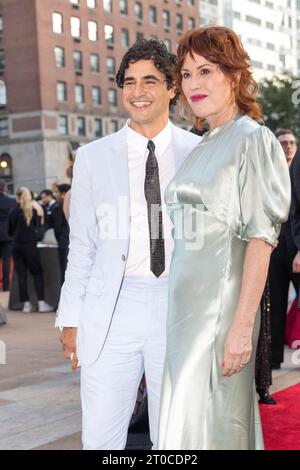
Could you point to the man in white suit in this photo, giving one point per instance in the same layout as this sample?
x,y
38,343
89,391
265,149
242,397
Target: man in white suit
x,y
113,305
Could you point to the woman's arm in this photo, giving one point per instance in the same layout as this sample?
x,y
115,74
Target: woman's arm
x,y
39,210
238,344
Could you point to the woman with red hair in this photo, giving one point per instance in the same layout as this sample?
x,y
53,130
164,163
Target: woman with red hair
x,y
227,202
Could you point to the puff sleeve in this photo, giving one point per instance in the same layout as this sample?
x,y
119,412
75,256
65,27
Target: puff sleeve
x,y
264,186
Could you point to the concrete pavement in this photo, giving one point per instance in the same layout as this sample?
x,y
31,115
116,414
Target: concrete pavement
x,y
39,395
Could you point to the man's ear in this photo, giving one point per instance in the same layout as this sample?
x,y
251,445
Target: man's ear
x,y
172,92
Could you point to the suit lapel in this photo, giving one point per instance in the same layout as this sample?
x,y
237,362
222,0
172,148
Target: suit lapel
x,y
117,159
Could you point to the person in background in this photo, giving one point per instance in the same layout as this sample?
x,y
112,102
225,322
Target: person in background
x,y
281,266
58,221
48,203
6,204
67,198
22,225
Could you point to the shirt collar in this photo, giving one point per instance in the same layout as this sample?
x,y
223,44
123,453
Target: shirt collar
x,y
161,140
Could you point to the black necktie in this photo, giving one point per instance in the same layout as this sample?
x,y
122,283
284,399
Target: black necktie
x,y
153,198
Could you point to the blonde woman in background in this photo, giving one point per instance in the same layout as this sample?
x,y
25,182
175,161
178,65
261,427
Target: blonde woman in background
x,y
24,220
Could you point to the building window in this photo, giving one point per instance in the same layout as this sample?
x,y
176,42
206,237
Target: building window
x,y
4,127
107,5
2,60
77,61
112,98
91,4
114,125
257,64
92,30
96,95
98,128
59,54
123,7
282,59
166,19
271,68
191,3
1,24
63,127
61,91
253,20
109,35
125,38
192,23
79,94
138,11
139,36
75,27
168,44
3,95
75,2
152,15
57,23
270,46
269,25
111,66
95,63
298,4
81,126
179,22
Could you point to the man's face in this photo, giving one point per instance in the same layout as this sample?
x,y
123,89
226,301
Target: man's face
x,y
289,145
145,93
46,199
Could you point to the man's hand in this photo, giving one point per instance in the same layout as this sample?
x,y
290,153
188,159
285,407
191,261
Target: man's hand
x,y
68,340
296,263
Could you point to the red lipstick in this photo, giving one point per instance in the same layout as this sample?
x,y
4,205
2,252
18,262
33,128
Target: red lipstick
x,y
196,98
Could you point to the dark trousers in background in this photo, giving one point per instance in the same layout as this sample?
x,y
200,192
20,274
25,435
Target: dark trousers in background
x,y
63,259
280,276
27,257
5,255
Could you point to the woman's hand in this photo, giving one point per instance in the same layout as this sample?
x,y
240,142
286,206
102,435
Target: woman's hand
x,y
238,349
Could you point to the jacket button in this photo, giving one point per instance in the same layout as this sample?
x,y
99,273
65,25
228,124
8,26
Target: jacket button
x,y
123,257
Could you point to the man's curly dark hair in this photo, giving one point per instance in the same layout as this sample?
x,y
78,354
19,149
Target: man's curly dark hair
x,y
150,49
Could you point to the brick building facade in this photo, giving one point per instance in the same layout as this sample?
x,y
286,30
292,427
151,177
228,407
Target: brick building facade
x,y
58,60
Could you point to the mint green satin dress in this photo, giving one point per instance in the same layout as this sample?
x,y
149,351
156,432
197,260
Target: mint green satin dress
x,y
234,186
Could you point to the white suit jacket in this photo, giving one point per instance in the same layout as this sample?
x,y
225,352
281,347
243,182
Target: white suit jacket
x,y
99,237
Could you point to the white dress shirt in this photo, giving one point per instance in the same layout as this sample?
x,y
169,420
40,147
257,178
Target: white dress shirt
x,y
138,262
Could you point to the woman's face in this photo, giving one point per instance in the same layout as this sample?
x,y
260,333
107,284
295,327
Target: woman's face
x,y
206,88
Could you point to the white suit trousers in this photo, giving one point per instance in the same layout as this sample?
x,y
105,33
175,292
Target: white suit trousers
x,y
135,343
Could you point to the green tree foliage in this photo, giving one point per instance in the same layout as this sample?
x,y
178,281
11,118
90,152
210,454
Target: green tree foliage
x,y
280,100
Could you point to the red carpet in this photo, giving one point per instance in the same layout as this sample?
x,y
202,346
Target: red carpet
x,y
281,422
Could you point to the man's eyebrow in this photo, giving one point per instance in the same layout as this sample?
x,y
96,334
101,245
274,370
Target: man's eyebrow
x,y
146,77
151,77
